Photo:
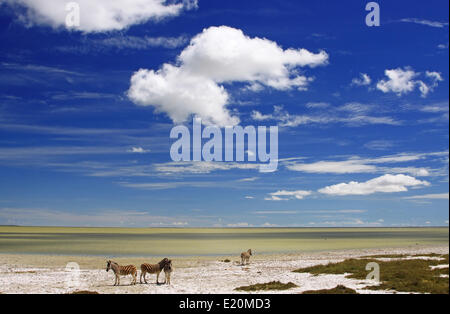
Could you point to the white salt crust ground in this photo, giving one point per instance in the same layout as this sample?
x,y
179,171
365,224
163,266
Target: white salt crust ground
x,y
202,275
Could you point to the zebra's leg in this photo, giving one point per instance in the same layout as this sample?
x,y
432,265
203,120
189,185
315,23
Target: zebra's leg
x,y
140,278
134,278
145,279
157,278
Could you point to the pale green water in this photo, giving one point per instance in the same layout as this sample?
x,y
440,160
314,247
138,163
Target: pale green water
x,y
193,242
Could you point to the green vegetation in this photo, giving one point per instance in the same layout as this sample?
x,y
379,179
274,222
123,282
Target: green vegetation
x,y
274,285
196,242
340,289
399,275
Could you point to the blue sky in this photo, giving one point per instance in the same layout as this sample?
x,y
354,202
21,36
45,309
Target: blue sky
x,y
85,114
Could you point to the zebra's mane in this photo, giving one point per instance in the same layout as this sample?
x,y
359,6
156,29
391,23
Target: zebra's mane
x,y
163,263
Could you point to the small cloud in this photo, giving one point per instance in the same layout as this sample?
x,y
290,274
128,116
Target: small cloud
x,y
180,223
436,76
403,81
341,167
249,197
138,150
268,225
239,225
254,87
363,80
425,22
251,179
287,195
317,105
442,196
258,116
384,184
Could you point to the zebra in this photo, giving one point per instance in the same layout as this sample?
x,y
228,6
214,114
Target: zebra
x,y
245,256
168,271
153,269
122,271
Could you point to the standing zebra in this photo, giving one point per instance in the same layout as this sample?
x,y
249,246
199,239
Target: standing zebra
x,y
168,271
153,269
122,271
245,256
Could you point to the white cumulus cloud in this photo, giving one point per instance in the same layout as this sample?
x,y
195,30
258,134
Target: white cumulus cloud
x,y
403,81
384,184
99,15
219,55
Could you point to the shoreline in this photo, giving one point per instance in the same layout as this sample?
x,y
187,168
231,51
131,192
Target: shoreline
x,y
263,256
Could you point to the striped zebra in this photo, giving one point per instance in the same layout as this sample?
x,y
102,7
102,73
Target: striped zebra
x,y
245,256
168,271
153,269
122,271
